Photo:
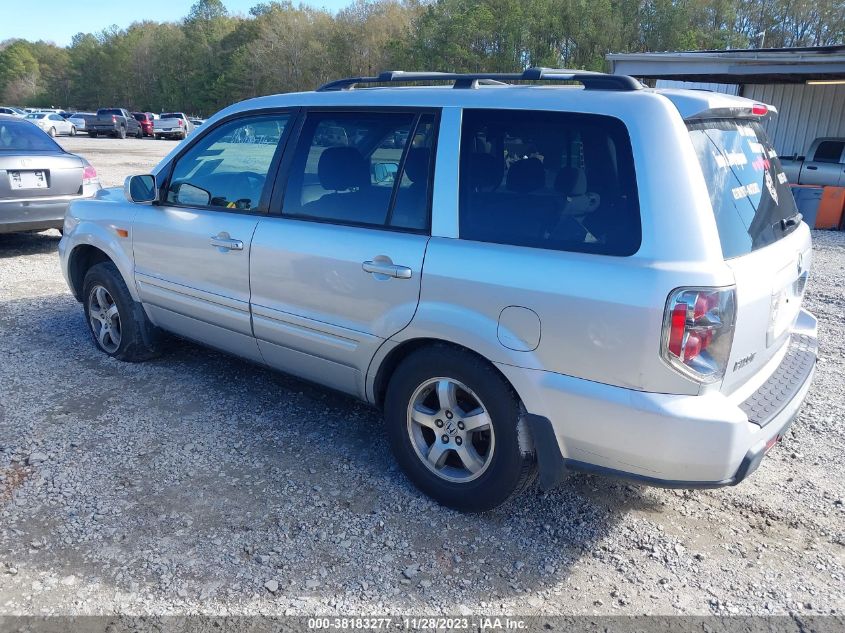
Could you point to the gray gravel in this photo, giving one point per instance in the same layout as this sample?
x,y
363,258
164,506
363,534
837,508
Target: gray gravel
x,y
199,483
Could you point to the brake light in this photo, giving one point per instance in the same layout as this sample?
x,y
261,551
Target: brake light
x,y
114,118
89,175
698,331
181,123
759,109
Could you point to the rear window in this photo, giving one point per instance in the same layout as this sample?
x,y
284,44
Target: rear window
x,y
552,180
20,135
108,111
172,115
748,189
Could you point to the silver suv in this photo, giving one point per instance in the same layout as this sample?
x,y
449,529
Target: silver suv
x,y
528,279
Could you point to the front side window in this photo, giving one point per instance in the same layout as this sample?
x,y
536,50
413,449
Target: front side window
x,y
829,151
228,167
551,180
363,168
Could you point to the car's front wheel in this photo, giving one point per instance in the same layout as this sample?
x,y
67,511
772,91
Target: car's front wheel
x,y
118,324
72,130
453,424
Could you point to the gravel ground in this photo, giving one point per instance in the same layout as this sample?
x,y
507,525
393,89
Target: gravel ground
x,y
115,158
198,483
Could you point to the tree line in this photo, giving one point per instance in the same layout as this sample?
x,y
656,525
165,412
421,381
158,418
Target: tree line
x,y
211,58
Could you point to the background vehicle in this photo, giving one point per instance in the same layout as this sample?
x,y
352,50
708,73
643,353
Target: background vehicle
x,y
13,111
514,296
115,122
196,122
80,120
146,120
38,179
52,123
172,125
824,164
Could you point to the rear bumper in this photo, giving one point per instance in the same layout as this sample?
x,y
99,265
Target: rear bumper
x,y
671,441
38,214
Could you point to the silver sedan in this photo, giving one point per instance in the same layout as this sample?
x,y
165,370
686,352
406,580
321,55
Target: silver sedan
x,y
52,123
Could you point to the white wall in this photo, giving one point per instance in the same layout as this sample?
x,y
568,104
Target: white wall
x,y
730,89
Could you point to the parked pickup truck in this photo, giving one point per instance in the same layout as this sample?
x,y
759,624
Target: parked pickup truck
x,y
172,125
823,165
115,122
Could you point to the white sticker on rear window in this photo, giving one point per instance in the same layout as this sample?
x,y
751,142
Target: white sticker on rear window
x,y
747,131
752,188
739,192
720,160
773,153
737,158
782,178
756,147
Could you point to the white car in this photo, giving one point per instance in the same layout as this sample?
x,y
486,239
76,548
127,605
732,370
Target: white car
x,y
52,123
527,280
78,119
12,111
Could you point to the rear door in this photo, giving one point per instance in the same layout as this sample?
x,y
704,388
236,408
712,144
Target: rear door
x,y
337,270
825,166
192,250
768,251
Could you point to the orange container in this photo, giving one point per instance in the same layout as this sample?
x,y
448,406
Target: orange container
x,y
831,208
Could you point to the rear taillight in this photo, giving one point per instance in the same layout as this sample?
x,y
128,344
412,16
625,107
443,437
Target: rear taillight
x,y
759,109
181,123
89,175
698,331
114,118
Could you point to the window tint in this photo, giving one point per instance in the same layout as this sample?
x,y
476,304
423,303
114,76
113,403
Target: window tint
x,y
18,135
748,189
108,111
348,167
228,167
829,151
172,115
548,180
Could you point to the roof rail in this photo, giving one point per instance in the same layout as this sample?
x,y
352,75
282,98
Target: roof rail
x,y
590,80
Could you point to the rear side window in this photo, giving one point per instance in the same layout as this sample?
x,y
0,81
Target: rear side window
x,y
829,151
748,189
552,180
363,168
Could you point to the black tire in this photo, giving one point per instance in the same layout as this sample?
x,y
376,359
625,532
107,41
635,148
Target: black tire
x,y
511,469
157,137
122,132
52,132
92,134
73,130
139,338
139,133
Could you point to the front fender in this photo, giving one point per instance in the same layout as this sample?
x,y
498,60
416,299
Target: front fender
x,y
96,223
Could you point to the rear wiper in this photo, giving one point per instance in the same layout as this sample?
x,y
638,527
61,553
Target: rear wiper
x,y
792,220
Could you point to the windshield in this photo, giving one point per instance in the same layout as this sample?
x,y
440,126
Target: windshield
x,y
20,135
748,189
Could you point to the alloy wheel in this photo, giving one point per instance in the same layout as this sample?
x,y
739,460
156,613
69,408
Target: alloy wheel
x,y
450,430
104,319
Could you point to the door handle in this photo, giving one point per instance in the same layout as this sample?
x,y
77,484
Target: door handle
x,y
226,243
812,167
387,269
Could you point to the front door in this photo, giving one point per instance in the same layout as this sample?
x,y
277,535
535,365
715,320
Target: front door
x,y
338,271
192,250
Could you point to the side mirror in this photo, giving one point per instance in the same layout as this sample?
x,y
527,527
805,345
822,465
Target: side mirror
x,y
385,172
141,189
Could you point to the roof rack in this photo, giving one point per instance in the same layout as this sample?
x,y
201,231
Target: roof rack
x,y
590,80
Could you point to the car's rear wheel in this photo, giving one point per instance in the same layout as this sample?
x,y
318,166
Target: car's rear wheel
x,y
72,130
52,132
453,424
92,134
139,133
118,324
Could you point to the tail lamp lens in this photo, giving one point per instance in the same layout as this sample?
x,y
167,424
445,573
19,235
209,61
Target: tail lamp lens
x,y
698,331
89,174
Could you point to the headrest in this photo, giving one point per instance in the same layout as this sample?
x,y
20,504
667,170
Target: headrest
x,y
526,175
485,172
342,168
416,164
571,181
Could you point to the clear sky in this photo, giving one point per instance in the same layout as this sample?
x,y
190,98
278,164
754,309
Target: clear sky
x,y
59,20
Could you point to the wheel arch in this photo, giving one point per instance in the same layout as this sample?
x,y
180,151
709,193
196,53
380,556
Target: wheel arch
x,y
80,261
385,364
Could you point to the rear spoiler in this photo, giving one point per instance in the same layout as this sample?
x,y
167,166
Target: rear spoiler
x,y
752,111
